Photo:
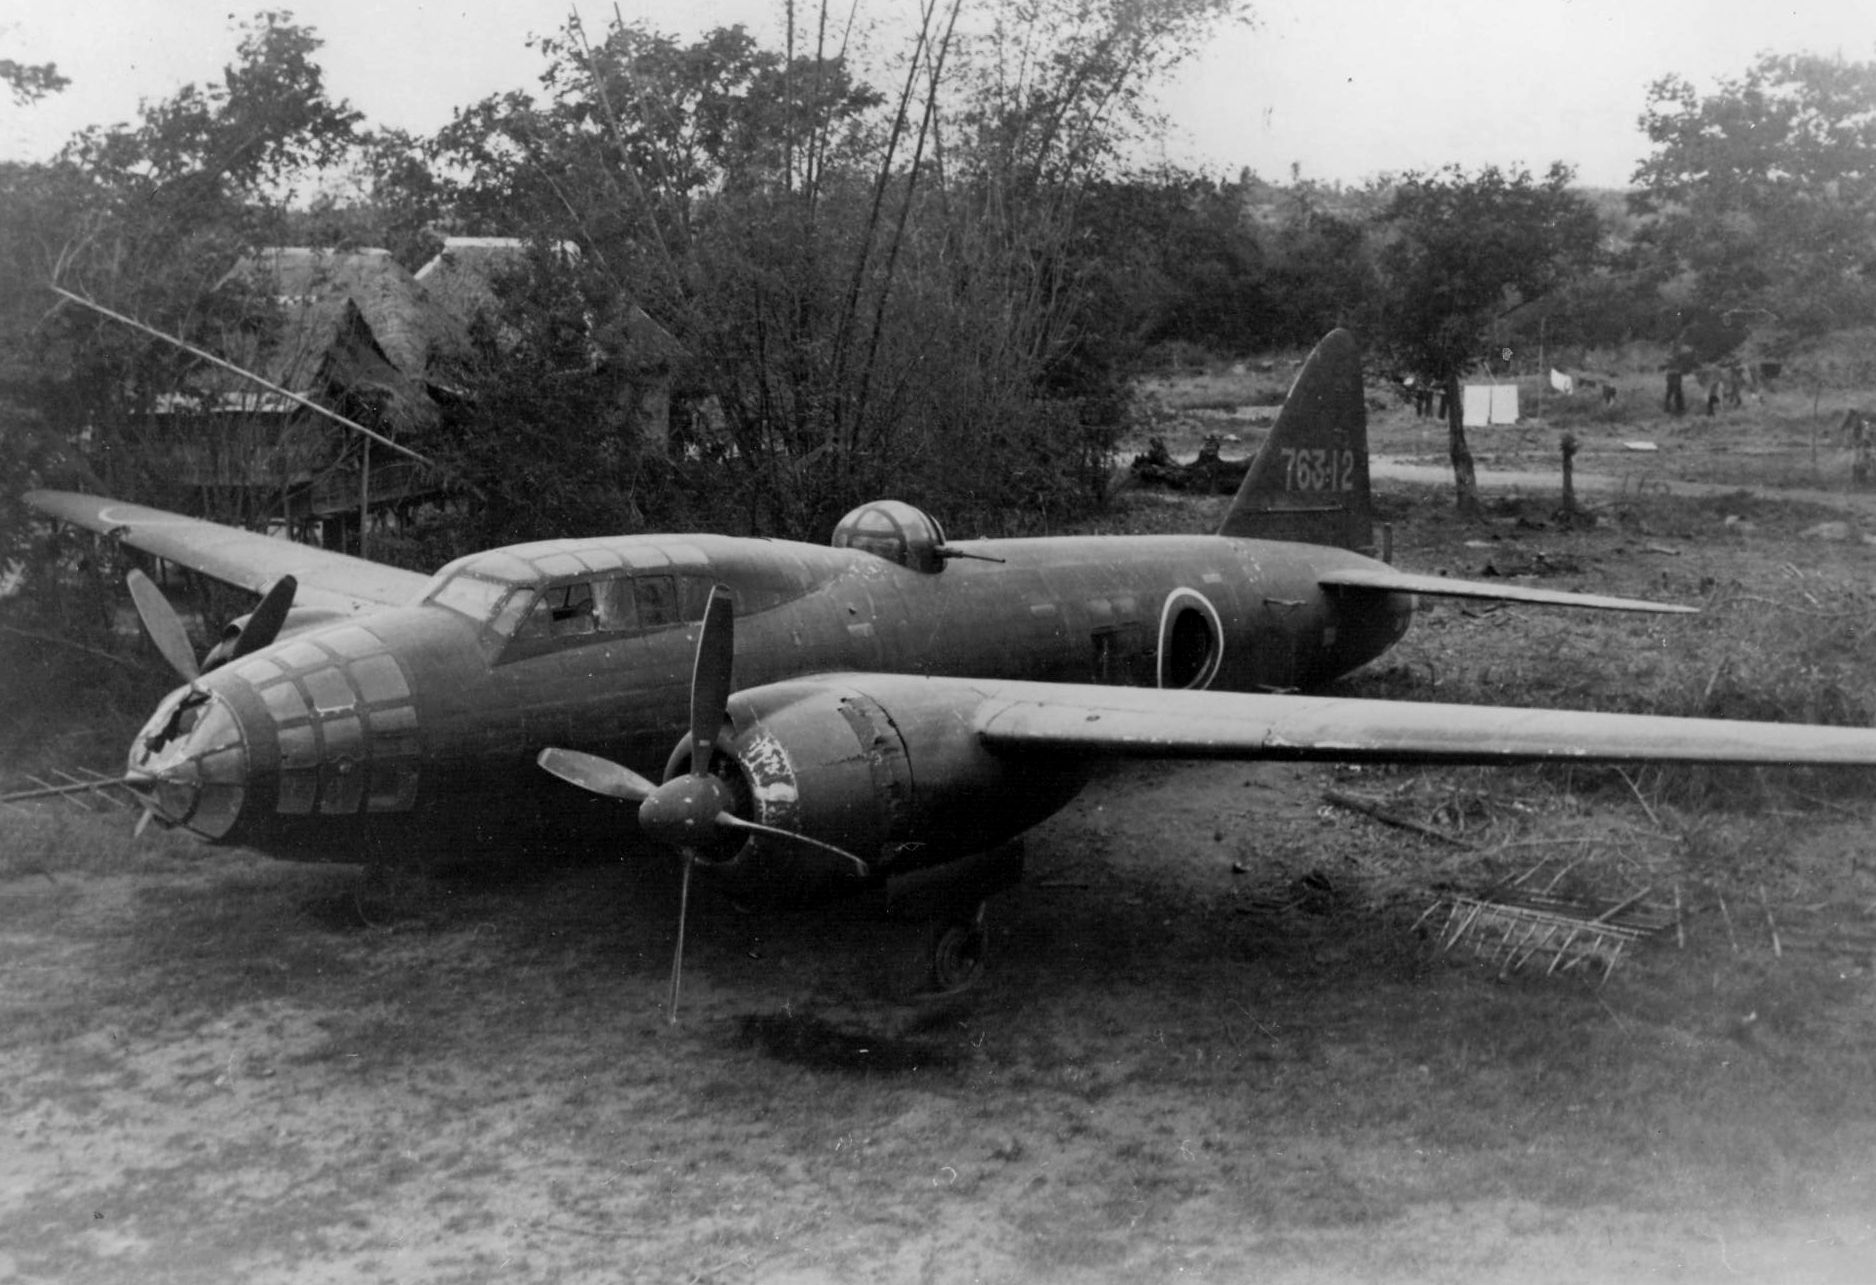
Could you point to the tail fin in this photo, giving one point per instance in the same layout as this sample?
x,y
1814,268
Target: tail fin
x,y
1309,483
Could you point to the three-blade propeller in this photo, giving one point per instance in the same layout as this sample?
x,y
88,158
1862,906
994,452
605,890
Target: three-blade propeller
x,y
691,810
166,629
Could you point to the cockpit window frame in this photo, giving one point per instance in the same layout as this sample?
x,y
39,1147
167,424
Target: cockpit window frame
x,y
490,595
618,606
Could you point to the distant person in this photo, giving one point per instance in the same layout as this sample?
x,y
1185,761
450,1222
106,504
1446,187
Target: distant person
x,y
1860,435
1675,403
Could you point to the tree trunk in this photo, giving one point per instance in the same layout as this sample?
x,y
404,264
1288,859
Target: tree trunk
x,y
1465,477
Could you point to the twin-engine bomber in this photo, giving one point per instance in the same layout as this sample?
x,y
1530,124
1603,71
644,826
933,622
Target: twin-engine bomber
x,y
888,712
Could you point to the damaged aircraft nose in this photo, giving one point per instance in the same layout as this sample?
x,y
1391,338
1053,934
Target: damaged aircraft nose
x,y
190,763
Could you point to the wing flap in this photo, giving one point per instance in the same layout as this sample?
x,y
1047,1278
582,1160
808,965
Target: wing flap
x,y
1391,581
1145,723
331,584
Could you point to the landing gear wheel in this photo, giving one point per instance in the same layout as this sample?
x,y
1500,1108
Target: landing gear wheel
x,y
958,947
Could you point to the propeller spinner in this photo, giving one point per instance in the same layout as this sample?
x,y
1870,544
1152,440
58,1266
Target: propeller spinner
x,y
691,810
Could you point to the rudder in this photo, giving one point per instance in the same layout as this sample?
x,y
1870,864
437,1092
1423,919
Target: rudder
x,y
1309,482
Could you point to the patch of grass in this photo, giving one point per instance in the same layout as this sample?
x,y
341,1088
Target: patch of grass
x,y
806,1040
54,837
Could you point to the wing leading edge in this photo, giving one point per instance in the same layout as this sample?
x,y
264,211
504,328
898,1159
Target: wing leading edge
x,y
329,583
1147,723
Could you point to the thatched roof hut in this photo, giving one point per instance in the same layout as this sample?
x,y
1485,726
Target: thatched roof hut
x,y
353,325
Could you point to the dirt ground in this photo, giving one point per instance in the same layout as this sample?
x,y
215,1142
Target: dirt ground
x,y
1217,1040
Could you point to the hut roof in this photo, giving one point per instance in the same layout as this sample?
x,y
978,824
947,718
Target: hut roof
x,y
462,275
314,287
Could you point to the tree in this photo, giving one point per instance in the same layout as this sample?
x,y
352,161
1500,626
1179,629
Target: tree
x,y
1172,259
1322,267
874,288
1765,190
148,218
1458,251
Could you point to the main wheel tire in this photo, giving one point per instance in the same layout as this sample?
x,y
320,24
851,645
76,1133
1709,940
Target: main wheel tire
x,y
958,947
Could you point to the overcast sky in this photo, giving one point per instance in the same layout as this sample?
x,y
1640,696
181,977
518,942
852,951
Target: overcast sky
x,y
1344,90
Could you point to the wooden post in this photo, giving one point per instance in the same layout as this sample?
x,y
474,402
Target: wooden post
x,y
364,494
1569,478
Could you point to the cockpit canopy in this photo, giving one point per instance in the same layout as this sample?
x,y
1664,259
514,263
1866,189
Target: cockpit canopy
x,y
530,599
896,531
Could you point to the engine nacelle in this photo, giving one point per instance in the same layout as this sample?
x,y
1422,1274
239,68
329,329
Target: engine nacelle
x,y
885,767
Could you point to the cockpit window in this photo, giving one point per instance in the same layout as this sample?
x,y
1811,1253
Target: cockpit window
x,y
561,611
470,596
603,607
513,608
657,600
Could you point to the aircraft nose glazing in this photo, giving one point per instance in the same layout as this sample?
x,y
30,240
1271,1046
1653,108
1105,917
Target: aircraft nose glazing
x,y
190,763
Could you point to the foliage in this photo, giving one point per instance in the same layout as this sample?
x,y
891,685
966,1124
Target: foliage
x,y
1322,268
391,200
547,433
27,83
1765,191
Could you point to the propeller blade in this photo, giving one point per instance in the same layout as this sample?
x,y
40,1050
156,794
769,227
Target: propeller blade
x,y
677,955
264,623
601,776
734,822
710,678
163,625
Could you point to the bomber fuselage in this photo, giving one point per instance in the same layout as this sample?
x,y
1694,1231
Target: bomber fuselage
x,y
355,739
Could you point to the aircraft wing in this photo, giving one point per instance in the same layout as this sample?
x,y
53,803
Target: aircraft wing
x,y
1020,717
330,584
1393,581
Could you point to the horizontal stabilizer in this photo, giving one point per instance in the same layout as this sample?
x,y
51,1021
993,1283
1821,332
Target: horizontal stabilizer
x,y
1391,581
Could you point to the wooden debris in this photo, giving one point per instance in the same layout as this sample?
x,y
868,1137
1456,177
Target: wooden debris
x,y
1513,928
1778,949
1727,915
1386,815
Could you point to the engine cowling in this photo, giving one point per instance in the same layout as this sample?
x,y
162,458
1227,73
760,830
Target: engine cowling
x,y
887,767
